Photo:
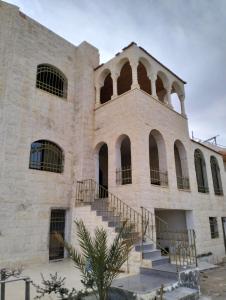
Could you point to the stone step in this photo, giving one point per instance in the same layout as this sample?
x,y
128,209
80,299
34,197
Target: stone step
x,y
151,254
111,218
99,206
182,293
115,223
160,261
105,213
144,246
158,273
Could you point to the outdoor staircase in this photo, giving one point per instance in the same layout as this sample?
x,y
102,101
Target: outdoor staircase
x,y
115,213
155,268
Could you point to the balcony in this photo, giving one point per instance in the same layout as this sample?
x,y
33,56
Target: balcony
x,y
159,178
203,189
124,175
183,183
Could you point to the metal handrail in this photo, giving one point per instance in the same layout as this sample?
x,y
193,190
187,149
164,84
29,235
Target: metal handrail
x,y
152,224
88,191
183,183
124,175
158,177
181,244
3,282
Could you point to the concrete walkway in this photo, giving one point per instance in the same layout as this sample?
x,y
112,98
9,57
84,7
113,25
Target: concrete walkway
x,y
15,291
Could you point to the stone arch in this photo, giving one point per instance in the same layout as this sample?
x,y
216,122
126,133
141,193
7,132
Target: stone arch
x,y
216,176
201,174
143,70
106,90
157,158
161,85
181,165
124,81
176,92
123,160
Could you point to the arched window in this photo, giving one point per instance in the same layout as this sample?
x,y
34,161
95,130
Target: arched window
x,y
106,90
181,166
200,168
124,81
51,80
46,156
217,184
157,159
123,153
143,80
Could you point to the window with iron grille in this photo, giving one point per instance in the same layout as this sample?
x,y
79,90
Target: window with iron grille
x,y
213,227
57,225
218,190
200,168
46,156
51,80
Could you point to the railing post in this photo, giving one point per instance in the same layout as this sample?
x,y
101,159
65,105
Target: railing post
x,y
142,233
196,261
3,277
27,289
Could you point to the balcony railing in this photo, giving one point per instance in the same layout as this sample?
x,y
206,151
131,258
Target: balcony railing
x,y
218,191
183,183
159,178
203,189
124,175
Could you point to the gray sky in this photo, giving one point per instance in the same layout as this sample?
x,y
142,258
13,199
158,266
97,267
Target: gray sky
x,y
188,36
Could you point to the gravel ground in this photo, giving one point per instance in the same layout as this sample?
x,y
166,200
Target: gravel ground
x,y
213,284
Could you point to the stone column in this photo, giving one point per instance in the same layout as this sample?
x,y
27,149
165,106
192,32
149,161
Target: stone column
x,y
115,76
135,83
182,97
168,97
97,94
153,78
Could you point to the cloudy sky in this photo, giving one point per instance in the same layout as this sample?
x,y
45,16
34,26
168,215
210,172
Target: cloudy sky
x,y
188,36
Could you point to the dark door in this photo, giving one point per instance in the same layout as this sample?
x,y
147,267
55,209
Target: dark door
x,y
224,230
57,224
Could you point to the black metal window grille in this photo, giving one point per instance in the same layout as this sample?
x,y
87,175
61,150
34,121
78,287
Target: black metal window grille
x,y
51,80
213,227
216,176
200,168
57,225
183,183
124,175
159,178
46,156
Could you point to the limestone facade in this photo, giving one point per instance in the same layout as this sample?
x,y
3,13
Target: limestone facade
x,y
80,125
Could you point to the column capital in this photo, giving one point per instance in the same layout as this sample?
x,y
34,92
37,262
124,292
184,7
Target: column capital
x,y
152,76
181,97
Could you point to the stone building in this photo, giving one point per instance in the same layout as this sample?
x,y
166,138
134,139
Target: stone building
x,y
64,118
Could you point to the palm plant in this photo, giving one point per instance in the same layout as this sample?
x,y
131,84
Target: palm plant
x,y
98,262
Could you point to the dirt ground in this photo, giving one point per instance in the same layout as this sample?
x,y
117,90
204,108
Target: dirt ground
x,y
213,284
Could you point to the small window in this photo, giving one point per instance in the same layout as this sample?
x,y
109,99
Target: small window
x,y
46,156
51,80
213,227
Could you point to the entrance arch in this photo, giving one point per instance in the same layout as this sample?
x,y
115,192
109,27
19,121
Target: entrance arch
x,y
103,166
157,159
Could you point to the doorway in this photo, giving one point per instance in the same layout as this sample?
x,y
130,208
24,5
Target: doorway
x,y
103,166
